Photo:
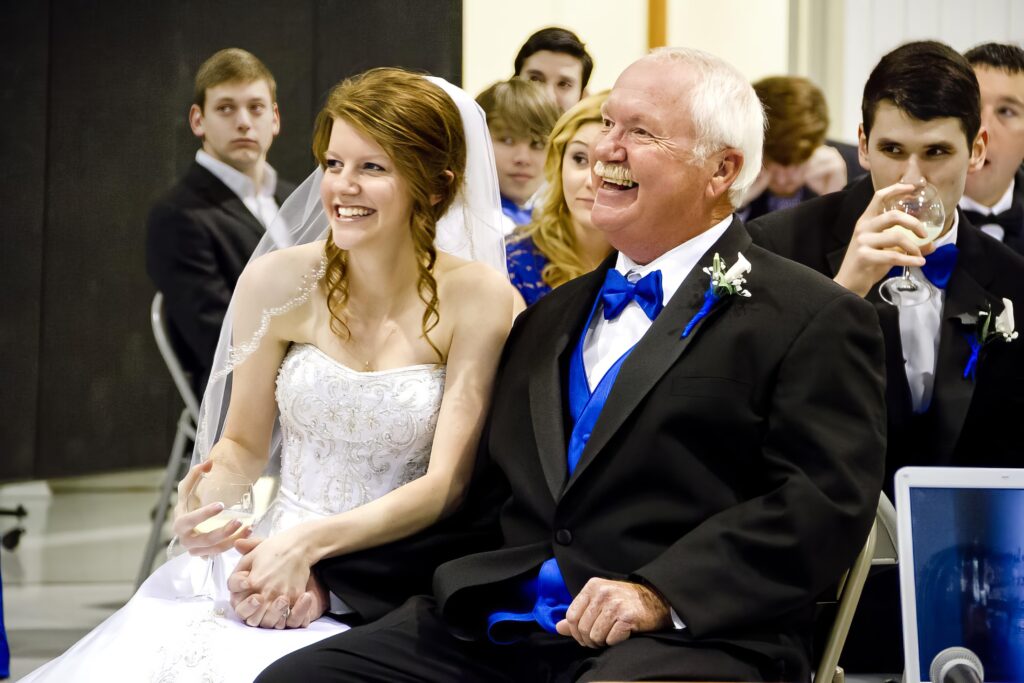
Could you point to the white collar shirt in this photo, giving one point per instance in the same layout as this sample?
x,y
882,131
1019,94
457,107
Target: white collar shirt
x,y
260,201
607,340
919,333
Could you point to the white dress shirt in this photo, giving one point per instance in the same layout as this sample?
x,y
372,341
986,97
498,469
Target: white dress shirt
x,y
607,340
260,201
919,333
1004,204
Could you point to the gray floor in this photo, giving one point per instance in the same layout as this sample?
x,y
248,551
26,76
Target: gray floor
x,y
77,561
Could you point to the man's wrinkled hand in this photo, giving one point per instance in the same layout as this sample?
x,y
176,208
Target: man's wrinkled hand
x,y
608,612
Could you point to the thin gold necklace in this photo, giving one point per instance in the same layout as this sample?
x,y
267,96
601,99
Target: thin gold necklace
x,y
368,364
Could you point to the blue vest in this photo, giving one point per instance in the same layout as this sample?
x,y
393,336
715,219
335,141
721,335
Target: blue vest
x,y
547,592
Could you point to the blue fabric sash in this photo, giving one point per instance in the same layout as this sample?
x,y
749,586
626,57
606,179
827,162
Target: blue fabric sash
x,y
548,593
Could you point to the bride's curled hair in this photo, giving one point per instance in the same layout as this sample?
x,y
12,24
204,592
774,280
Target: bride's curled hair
x,y
418,125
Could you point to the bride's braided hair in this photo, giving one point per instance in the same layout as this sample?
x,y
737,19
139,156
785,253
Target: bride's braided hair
x,y
419,127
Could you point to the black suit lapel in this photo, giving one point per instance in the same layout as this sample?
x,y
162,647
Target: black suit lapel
x,y
661,347
546,378
219,194
966,293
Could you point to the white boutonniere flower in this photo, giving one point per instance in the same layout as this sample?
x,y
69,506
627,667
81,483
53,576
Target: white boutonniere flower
x,y
725,281
985,329
1004,322
729,281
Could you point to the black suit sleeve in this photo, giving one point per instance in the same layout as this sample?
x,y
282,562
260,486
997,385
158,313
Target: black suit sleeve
x,y
181,262
822,458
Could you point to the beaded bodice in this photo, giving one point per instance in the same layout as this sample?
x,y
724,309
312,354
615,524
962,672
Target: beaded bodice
x,y
349,437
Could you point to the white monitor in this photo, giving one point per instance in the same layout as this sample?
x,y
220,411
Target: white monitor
x,y
961,535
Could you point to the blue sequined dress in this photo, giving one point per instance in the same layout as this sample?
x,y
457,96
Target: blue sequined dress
x,y
525,265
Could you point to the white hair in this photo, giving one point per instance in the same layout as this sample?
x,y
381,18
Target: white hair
x,y
726,112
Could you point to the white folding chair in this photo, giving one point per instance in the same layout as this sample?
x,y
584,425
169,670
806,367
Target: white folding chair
x,y
185,433
879,549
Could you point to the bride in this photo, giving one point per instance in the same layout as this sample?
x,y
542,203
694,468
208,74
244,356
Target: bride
x,y
375,344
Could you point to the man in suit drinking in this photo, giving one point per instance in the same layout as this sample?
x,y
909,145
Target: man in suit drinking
x,y
678,474
201,233
951,393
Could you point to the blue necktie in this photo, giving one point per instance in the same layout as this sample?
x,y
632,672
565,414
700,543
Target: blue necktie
x,y
617,292
938,266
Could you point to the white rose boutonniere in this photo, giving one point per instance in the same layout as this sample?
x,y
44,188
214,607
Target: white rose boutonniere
x,y
725,281
985,329
1004,322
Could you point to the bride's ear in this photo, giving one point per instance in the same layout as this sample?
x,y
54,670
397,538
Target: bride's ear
x,y
449,177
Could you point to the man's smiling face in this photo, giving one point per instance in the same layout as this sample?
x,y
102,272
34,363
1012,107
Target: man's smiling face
x,y
649,185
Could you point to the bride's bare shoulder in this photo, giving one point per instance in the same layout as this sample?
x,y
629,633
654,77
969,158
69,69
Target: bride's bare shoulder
x,y
282,272
471,284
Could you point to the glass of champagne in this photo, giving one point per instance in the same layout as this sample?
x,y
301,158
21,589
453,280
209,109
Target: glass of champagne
x,y
924,204
235,492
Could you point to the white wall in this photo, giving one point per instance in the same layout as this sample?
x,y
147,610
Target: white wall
x,y
872,28
752,35
833,42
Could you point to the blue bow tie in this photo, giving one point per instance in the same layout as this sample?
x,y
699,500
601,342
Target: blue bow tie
x,y
618,291
938,267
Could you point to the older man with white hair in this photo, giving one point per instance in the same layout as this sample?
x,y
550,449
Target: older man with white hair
x,y
684,448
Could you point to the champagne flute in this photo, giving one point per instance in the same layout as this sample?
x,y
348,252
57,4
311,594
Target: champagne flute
x,y
235,492
924,204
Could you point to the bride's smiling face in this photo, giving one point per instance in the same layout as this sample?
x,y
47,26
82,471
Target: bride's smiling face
x,y
365,198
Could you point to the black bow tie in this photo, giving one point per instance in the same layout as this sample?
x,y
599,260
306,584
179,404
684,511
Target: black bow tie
x,y
1011,220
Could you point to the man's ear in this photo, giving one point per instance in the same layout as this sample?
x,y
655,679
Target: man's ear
x,y
195,121
978,151
435,198
730,162
862,148
277,121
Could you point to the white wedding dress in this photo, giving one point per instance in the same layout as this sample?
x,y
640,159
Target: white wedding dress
x,y
348,437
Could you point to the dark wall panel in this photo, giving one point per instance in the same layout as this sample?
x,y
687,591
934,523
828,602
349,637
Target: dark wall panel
x,y
98,101
105,399
23,67
425,36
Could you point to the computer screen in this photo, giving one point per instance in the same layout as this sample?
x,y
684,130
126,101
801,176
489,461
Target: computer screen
x,y
968,575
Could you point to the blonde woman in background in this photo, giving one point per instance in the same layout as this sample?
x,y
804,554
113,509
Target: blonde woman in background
x,y
561,242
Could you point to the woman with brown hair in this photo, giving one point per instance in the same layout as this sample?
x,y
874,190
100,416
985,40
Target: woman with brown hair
x,y
561,243
377,349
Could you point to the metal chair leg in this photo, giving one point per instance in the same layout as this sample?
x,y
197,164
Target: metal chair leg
x,y
169,482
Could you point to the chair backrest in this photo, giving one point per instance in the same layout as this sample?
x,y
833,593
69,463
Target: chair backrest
x,y
163,342
880,548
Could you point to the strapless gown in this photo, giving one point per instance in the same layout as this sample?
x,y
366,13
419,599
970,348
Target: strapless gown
x,y
348,437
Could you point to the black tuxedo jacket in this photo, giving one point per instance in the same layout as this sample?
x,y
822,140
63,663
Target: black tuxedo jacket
x,y
975,423
198,239
1016,240
736,471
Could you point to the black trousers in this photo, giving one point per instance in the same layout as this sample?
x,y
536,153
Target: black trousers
x,y
413,644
